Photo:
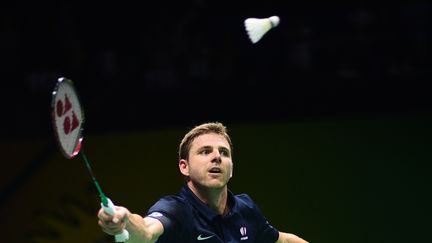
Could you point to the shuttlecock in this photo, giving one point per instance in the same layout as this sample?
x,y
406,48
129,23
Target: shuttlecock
x,y
256,28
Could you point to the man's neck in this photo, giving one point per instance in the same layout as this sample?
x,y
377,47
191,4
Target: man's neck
x,y
216,199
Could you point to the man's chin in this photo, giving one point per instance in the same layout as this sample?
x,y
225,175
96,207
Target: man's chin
x,y
213,184
216,184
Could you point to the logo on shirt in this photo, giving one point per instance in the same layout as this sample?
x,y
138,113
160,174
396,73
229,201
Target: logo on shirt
x,y
155,214
201,237
243,232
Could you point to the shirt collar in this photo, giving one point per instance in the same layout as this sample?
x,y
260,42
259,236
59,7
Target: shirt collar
x,y
206,210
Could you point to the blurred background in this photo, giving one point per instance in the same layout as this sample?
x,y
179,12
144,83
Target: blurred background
x,y
330,113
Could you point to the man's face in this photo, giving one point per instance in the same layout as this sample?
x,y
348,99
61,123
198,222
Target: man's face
x,y
209,164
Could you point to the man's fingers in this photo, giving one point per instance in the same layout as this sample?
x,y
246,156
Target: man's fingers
x,y
110,224
104,216
111,232
110,227
113,224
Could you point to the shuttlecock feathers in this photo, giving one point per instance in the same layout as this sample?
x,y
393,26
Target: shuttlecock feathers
x,y
256,28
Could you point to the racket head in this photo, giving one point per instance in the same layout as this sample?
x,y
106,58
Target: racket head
x,y
67,117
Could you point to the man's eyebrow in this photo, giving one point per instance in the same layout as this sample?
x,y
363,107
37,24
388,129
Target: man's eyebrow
x,y
225,148
210,147
204,147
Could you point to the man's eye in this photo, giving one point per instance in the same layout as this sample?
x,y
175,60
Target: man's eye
x,y
205,152
224,153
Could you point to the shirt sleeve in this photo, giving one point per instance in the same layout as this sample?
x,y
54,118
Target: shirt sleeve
x,y
169,211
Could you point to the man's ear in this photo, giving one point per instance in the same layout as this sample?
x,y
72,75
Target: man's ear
x,y
184,167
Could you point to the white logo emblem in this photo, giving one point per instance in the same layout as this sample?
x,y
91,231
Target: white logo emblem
x,y
200,237
155,214
243,232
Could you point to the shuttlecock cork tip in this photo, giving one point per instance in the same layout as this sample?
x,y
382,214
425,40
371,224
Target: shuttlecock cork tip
x,y
274,21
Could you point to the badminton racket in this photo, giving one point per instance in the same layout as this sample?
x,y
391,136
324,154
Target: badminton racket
x,y
68,120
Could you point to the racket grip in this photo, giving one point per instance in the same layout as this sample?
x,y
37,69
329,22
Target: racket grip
x,y
110,209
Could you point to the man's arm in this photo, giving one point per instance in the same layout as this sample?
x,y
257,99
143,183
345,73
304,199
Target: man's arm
x,y
289,238
143,230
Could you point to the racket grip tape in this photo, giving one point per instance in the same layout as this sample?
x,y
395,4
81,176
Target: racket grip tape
x,y
110,209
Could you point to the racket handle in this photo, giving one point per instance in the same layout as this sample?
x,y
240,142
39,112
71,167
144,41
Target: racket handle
x,y
110,209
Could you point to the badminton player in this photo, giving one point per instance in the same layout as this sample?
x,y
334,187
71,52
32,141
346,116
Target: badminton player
x,y
204,210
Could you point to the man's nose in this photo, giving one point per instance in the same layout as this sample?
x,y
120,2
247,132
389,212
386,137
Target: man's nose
x,y
217,157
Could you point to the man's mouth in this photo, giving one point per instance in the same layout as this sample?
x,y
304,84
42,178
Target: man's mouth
x,y
215,170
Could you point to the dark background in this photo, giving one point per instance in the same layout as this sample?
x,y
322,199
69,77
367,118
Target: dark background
x,y
346,85
138,67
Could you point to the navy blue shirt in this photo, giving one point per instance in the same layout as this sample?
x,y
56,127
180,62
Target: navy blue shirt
x,y
187,219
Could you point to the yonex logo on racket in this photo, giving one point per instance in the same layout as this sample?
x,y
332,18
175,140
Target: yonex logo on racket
x,y
63,108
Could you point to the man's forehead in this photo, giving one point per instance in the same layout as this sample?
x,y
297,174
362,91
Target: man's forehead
x,y
210,139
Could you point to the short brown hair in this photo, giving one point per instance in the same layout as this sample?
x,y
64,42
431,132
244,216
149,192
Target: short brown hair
x,y
210,127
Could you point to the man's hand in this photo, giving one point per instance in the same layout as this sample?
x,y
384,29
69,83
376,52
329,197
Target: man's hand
x,y
114,224
289,238
141,229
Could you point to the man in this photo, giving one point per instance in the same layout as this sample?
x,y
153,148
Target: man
x,y
204,210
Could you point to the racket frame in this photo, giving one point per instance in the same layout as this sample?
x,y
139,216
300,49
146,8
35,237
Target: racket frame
x,y
78,141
